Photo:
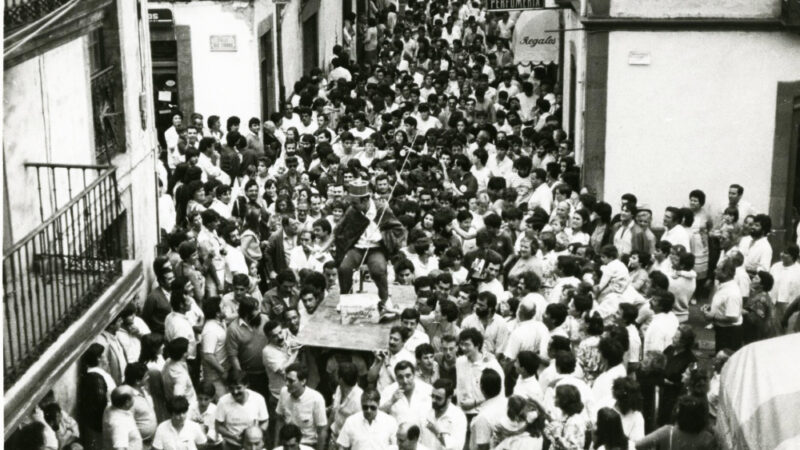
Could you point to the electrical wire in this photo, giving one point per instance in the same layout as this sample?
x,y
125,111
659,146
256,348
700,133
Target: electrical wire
x,y
57,14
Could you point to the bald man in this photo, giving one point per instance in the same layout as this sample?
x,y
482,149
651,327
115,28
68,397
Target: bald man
x,y
253,438
408,437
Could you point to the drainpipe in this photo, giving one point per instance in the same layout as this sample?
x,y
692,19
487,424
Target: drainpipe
x,y
279,10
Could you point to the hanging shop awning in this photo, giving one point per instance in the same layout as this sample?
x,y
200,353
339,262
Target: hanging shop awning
x,y
536,37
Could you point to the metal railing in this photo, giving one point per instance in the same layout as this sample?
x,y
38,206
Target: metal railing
x,y
109,122
56,272
21,12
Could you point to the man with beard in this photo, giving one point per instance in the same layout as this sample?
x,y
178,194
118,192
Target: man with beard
x,y
492,327
235,262
239,409
366,234
408,399
759,255
445,426
244,341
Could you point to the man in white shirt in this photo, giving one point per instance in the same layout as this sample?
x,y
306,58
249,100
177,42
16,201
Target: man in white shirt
x,y
786,274
664,324
408,399
759,255
491,326
531,334
725,311
542,194
602,396
179,433
239,409
119,426
409,319
445,427
277,356
675,233
304,407
491,412
425,121
212,346
469,367
382,370
527,386
370,429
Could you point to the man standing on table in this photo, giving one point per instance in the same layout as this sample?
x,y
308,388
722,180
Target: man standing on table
x,y
366,229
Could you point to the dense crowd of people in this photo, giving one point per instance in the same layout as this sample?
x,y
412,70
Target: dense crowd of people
x,y
545,317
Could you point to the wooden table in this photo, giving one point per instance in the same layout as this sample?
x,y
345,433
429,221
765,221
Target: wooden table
x,y
324,328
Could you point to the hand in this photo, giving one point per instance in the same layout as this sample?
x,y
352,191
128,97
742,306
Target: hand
x,y
398,394
431,425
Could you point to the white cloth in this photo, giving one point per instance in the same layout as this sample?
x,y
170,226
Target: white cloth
x,y
727,302
759,256
530,335
453,426
678,235
414,409
235,417
602,395
187,438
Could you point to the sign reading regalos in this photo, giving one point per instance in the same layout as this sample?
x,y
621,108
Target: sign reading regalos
x,y
536,37
514,5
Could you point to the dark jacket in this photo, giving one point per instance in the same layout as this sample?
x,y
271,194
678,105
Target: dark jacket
x,y
274,254
155,310
229,161
354,223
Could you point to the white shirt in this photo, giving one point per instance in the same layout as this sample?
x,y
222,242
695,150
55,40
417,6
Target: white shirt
x,y
119,430
178,325
417,338
759,256
212,341
787,282
660,332
635,344
359,434
468,379
386,374
413,409
236,417
727,301
542,197
530,335
306,411
187,438
602,395
484,423
453,426
678,235
623,238
530,388
371,237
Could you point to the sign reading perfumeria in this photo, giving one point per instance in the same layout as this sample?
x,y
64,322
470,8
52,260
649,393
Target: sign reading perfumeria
x,y
536,37
514,5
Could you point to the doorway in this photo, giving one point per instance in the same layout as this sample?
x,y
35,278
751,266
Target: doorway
x,y
165,85
784,201
266,61
310,46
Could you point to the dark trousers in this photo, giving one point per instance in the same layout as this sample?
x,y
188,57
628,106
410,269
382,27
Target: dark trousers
x,y
727,337
376,263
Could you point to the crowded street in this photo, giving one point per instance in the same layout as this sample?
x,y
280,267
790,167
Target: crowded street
x,y
421,243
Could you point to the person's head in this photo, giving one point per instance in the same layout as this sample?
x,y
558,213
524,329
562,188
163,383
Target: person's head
x,y
136,374
790,254
486,304
672,217
404,372
470,341
527,363
370,400
253,439
347,375
236,383
608,431
555,314
735,193
662,300
122,397
490,383
762,226
290,437
568,399
692,414
565,361
407,436
725,270
205,394
627,394
177,348
442,393
684,338
178,407
397,338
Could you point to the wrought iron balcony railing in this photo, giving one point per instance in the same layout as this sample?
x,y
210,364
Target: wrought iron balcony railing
x,y
22,12
56,272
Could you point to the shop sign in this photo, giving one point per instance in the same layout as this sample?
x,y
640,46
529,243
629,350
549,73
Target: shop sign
x,y
536,37
514,5
223,43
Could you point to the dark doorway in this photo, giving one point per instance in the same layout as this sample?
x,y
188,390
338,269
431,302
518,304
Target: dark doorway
x,y
793,213
784,201
310,46
165,84
573,83
267,77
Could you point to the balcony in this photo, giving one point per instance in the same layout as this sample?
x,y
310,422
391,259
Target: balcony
x,y
23,12
53,275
